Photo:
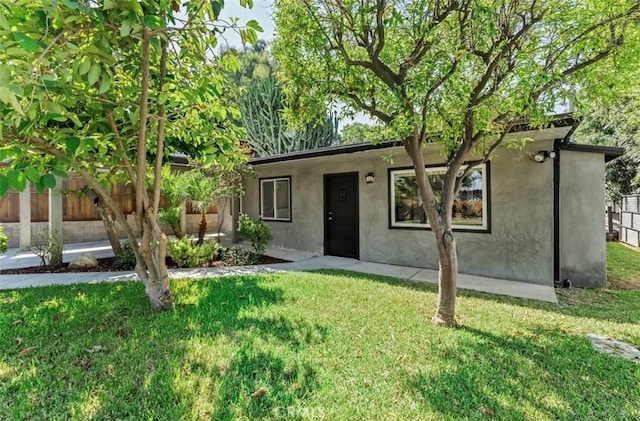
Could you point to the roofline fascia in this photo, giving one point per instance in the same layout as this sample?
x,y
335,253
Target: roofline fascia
x,y
559,120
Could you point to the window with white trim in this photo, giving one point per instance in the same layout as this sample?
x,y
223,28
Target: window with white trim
x,y
275,199
469,206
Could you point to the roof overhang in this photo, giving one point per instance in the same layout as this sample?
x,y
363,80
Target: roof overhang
x,y
557,127
610,152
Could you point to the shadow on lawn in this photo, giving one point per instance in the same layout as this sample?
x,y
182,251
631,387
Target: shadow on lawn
x,y
489,376
207,357
603,304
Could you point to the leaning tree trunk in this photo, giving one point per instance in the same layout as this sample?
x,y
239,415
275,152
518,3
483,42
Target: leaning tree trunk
x,y
109,220
441,228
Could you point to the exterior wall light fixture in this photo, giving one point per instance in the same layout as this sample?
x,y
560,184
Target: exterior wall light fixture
x,y
541,156
369,178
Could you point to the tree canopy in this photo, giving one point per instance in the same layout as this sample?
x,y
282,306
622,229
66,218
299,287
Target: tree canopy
x,y
458,72
99,88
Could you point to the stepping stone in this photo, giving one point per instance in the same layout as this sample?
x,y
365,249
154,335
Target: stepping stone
x,y
614,347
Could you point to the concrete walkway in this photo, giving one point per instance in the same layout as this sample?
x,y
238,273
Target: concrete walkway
x,y
299,261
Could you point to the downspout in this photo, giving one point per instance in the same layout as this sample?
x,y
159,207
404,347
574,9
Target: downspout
x,y
556,213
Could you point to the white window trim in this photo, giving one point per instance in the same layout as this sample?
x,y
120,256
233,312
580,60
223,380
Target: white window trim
x,y
485,212
275,208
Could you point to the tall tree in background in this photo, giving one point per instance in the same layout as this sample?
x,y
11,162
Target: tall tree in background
x,y
360,132
268,133
89,86
262,108
459,72
616,123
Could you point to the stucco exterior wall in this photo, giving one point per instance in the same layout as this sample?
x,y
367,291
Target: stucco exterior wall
x,y
518,247
582,229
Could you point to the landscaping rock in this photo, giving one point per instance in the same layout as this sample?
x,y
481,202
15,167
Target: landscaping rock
x,y
614,347
87,260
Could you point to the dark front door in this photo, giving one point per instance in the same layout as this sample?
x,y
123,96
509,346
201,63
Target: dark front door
x,y
341,215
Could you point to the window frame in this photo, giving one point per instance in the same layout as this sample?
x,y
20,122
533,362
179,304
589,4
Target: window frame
x,y
274,218
486,199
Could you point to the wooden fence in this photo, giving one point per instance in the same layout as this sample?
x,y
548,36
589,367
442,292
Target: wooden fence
x,y
76,205
630,220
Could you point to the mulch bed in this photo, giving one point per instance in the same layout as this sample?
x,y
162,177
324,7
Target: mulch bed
x,y
108,265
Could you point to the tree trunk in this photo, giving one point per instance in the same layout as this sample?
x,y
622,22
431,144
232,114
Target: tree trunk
x,y
447,281
202,229
441,228
109,220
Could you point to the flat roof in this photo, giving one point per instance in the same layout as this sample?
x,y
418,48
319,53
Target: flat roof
x,y
560,120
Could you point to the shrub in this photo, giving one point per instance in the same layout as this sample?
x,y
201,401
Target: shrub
x,y
186,254
255,231
3,240
127,260
237,257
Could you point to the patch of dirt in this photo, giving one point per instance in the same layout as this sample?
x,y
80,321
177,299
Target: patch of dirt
x,y
108,265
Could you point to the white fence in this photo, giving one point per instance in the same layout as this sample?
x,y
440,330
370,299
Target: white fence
x,y
630,220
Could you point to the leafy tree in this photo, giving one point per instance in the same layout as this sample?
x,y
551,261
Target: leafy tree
x,y
174,191
204,188
458,72
360,132
616,123
89,86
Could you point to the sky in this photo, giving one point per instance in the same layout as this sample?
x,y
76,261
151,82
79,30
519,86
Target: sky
x,y
262,12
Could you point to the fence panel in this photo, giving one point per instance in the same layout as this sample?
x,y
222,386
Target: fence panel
x,y
630,220
10,207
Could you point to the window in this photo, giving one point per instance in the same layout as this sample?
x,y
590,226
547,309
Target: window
x,y
469,207
275,199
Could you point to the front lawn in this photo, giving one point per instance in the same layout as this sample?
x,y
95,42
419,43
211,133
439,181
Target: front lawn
x,y
327,345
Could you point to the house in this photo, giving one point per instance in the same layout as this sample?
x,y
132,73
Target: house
x,y
533,214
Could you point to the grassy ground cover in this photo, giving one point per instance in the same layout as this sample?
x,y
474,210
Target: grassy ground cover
x,y
325,345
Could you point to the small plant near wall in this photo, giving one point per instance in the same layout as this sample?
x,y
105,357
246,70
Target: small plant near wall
x,y
255,231
126,260
3,240
187,254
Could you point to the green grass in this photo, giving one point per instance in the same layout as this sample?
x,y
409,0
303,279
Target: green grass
x,y
327,345
623,265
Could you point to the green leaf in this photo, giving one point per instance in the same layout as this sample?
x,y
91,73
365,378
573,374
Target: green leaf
x,y
49,180
109,4
94,74
72,144
26,42
59,173
8,97
5,74
17,180
85,66
217,7
253,24
71,4
153,21
32,174
105,84
4,24
4,185
125,29
40,186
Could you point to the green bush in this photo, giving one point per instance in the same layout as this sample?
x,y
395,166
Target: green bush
x,y
127,260
186,254
237,257
256,232
3,240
